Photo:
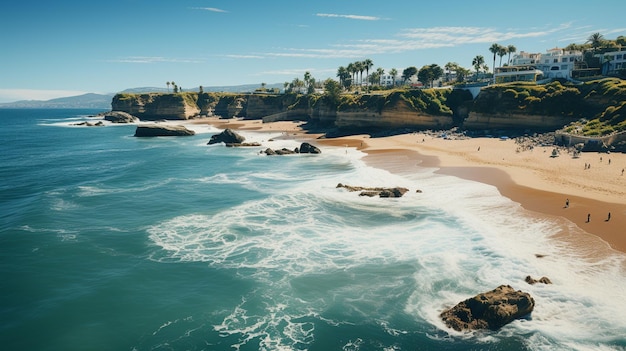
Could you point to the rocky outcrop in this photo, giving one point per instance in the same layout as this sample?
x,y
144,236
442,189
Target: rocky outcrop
x,y
490,310
89,124
154,130
228,136
156,106
282,151
119,117
371,192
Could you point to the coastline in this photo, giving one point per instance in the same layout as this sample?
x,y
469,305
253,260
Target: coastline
x,y
529,176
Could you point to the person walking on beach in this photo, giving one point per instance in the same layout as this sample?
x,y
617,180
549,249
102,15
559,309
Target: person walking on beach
x,y
566,203
609,217
588,217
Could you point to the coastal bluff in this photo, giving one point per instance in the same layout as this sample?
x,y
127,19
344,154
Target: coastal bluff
x,y
513,107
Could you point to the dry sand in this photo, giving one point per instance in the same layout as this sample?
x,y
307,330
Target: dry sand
x,y
531,177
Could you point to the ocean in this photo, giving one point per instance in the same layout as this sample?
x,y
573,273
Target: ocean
x,y
111,242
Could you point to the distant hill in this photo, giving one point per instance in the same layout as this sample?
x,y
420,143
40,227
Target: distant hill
x,y
103,101
89,100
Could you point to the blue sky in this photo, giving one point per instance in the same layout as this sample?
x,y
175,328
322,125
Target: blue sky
x,y
62,48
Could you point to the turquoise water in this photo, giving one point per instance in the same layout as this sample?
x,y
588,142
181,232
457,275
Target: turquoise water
x,y
111,242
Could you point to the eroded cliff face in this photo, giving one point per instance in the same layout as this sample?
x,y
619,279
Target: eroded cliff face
x,y
519,121
392,116
156,106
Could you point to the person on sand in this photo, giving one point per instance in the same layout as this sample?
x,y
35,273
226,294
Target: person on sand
x,y
609,217
588,217
566,203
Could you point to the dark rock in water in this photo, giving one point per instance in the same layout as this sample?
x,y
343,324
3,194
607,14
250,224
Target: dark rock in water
x,y
242,144
490,310
371,192
545,280
227,137
306,148
119,117
89,124
282,151
154,130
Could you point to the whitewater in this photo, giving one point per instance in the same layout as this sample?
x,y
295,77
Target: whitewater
x,y
112,242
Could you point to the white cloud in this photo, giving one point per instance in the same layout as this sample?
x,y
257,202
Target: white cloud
x,y
11,95
355,17
211,9
235,56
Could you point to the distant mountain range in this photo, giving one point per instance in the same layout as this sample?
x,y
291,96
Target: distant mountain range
x,y
103,101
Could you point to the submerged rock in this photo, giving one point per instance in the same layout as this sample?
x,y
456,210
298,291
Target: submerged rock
x,y
545,280
371,192
154,130
490,310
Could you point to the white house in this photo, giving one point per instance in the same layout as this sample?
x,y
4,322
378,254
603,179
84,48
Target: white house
x,y
555,63
612,61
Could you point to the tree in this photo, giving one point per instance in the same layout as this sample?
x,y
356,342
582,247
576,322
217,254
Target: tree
x,y
332,92
596,40
352,70
201,89
307,79
450,66
461,73
343,75
168,86
367,64
380,72
510,49
477,62
394,73
360,67
428,74
494,48
501,52
408,73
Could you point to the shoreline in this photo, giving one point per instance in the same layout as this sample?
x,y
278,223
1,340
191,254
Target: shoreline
x,y
538,182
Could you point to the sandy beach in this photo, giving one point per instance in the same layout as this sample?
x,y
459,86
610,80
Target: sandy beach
x,y
583,188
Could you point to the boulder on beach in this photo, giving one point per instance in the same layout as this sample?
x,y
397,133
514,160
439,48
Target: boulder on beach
x,y
154,130
306,148
228,136
489,310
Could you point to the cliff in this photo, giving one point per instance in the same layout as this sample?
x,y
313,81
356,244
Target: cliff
x,y
519,106
155,106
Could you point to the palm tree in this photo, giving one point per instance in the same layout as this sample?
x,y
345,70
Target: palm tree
x,y
596,40
394,73
380,71
510,49
477,62
307,79
449,67
168,86
342,74
360,67
501,52
495,48
352,70
367,64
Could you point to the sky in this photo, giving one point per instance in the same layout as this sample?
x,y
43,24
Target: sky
x,y
60,48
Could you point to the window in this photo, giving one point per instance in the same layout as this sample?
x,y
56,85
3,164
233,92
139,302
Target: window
x,y
555,60
618,57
